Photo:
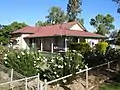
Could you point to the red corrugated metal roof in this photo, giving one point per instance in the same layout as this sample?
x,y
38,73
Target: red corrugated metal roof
x,y
64,32
57,30
27,29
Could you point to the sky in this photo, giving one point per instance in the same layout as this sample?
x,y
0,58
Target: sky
x,y
30,11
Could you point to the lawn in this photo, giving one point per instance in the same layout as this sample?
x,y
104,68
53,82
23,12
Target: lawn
x,y
113,86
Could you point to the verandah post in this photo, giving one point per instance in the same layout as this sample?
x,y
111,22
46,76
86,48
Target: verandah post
x,y
52,46
41,44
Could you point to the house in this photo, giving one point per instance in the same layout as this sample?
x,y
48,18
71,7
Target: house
x,y
52,38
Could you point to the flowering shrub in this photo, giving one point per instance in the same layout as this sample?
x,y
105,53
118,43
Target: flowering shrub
x,y
71,62
3,50
25,62
30,63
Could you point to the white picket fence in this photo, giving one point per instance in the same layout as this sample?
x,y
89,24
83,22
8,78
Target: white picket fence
x,y
40,85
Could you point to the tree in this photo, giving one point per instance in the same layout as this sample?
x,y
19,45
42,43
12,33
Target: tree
x,y
113,34
118,2
56,15
103,24
40,23
81,21
73,9
15,25
118,38
5,32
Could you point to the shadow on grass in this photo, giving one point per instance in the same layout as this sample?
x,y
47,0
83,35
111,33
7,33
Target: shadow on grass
x,y
110,86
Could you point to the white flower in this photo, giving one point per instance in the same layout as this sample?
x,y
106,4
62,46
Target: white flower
x,y
55,65
55,72
57,76
34,61
22,53
5,55
61,58
71,59
59,66
58,58
39,51
38,59
45,59
52,60
18,56
64,81
44,75
37,66
5,62
73,50
28,52
5,58
34,64
67,57
65,63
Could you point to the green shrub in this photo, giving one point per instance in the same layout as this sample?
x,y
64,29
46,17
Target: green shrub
x,y
101,47
83,47
23,61
60,66
30,63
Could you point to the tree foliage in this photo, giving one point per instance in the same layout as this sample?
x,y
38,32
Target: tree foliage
x,y
118,2
113,34
118,38
40,24
5,32
56,15
103,24
73,9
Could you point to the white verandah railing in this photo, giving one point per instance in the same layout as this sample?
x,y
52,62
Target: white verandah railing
x,y
39,85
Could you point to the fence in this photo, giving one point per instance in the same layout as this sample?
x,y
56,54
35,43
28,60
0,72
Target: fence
x,y
34,83
28,83
80,71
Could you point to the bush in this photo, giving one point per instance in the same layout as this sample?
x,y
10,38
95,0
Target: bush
x,y
24,62
101,47
30,63
60,66
83,47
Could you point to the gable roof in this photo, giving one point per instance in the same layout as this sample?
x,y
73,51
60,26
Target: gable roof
x,y
64,32
27,29
57,30
31,30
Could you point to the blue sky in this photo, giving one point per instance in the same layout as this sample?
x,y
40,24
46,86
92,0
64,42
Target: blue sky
x,y
30,11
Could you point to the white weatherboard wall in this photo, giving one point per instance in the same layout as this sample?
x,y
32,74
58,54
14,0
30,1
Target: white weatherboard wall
x,y
23,43
76,27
